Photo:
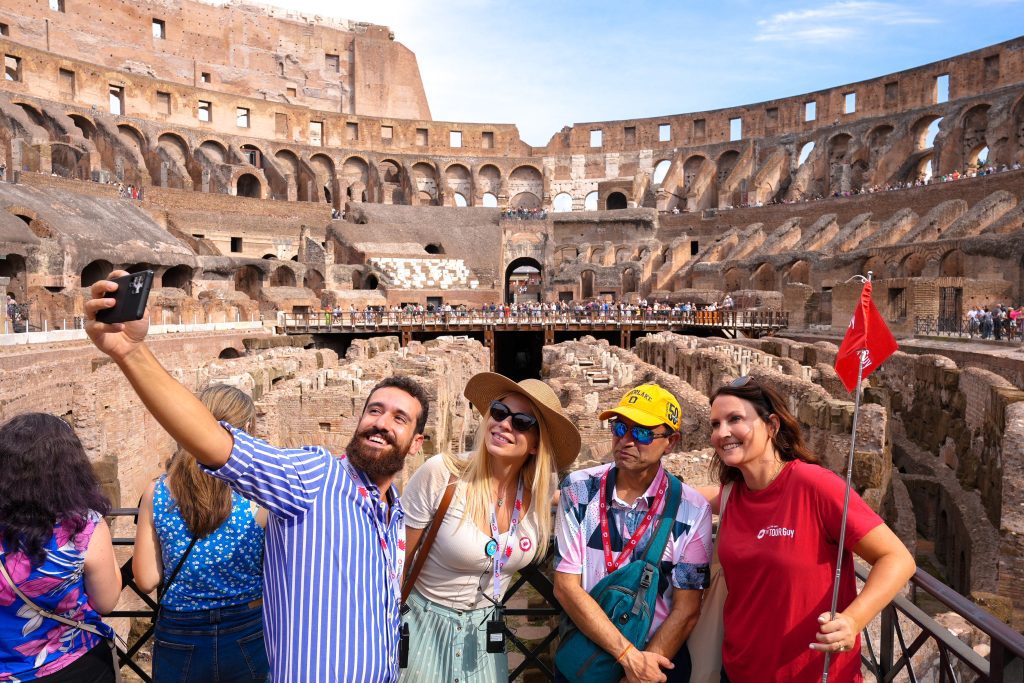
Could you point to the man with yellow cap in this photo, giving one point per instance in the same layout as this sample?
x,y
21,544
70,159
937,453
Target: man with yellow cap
x,y
608,516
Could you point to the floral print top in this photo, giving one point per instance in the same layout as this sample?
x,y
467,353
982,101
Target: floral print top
x,y
32,646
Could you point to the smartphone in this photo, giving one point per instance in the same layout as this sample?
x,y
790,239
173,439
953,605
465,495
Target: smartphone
x,y
131,297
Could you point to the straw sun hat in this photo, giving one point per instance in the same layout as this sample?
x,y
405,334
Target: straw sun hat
x,y
562,433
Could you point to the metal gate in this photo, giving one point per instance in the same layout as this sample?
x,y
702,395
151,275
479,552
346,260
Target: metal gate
x,y
951,311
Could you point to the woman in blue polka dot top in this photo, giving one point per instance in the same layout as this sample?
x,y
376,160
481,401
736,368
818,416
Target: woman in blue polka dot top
x,y
203,545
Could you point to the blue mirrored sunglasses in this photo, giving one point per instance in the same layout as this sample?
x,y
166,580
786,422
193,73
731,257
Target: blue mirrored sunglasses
x,y
642,435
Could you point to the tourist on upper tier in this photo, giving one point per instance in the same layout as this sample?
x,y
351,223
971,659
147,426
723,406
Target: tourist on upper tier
x,y
56,548
634,489
499,521
778,542
335,532
203,544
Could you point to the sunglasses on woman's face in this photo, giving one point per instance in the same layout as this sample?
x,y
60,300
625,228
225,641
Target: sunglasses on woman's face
x,y
642,435
521,422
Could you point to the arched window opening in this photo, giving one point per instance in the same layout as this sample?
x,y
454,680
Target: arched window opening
x,y
660,171
805,152
616,200
248,186
490,200
590,202
562,202
96,271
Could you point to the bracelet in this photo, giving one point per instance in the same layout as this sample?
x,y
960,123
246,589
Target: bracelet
x,y
619,658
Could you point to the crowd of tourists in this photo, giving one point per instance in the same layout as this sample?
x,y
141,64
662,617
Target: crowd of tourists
x,y
350,582
525,214
920,181
996,321
526,310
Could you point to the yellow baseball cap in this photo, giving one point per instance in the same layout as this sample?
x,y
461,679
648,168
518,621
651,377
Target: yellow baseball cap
x,y
648,405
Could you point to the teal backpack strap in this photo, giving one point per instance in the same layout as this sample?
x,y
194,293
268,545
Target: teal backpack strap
x,y
657,547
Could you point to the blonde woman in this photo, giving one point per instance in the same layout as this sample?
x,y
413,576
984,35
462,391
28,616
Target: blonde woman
x,y
498,521
203,544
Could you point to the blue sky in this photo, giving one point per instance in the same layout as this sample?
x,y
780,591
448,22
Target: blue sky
x,y
544,64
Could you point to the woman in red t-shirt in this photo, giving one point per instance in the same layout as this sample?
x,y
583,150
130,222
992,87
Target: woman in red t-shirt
x,y
778,547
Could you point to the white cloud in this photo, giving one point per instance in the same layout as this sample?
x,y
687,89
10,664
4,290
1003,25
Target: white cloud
x,y
836,21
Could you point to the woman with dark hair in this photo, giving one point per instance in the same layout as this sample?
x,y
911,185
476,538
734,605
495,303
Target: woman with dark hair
x,y
56,548
203,544
778,544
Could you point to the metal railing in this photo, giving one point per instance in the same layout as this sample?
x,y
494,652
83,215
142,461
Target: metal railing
x,y
1006,330
905,630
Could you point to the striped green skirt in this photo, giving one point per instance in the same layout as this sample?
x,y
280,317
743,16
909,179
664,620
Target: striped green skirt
x,y
450,646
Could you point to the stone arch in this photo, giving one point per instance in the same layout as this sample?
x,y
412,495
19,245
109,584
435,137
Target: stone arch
x,y
459,181
877,265
459,200
214,150
800,272
974,126
172,143
424,183
323,168
282,276
434,248
587,278
229,353
526,180
661,170
804,153
525,200
924,169
520,266
590,202
726,163
615,200
735,279
35,115
597,255
489,179
314,280
13,266
248,185
924,130
355,174
691,168
68,161
1018,127
623,254
912,265
135,137
489,199
179,277
249,280
764,278
562,202
390,173
95,271
566,255
84,124
952,264
630,280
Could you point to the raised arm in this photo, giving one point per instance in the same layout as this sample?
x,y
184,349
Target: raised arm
x,y
147,565
177,410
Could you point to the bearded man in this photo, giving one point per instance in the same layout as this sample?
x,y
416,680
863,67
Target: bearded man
x,y
335,542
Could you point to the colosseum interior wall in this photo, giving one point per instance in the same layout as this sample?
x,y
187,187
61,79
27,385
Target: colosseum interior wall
x,y
266,164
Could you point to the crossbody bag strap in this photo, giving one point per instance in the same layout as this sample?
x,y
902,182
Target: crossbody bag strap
x,y
726,490
668,517
81,625
167,586
427,540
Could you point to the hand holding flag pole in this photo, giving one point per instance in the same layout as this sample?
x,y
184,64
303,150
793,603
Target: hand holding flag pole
x,y
868,342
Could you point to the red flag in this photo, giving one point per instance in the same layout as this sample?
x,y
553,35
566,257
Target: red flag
x,y
869,332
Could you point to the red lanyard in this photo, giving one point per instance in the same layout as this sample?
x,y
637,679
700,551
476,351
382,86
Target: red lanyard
x,y
395,558
612,565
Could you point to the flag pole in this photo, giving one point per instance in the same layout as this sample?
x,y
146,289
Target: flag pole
x,y
846,497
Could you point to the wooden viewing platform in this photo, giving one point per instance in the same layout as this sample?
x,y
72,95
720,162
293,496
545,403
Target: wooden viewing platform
x,y
728,324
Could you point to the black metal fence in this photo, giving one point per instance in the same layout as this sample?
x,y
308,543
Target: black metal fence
x,y
905,631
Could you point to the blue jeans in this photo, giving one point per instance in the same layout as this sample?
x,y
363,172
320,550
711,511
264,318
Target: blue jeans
x,y
222,645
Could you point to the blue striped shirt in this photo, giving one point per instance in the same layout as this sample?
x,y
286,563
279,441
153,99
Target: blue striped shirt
x,y
331,612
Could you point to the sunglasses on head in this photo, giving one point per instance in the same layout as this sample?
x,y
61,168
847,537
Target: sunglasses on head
x,y
642,435
740,381
521,422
